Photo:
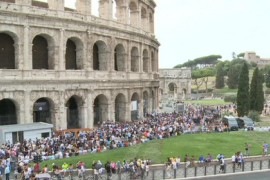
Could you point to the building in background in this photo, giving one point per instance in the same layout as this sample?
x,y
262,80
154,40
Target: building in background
x,y
72,69
175,85
251,56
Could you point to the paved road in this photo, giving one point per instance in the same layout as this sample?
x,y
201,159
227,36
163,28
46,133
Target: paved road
x,y
257,175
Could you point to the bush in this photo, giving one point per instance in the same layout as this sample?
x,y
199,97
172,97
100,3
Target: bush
x,y
230,98
255,116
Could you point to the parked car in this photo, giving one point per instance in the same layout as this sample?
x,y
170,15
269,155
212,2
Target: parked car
x,y
230,123
245,123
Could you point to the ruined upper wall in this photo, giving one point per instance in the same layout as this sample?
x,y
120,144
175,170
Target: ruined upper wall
x,y
137,14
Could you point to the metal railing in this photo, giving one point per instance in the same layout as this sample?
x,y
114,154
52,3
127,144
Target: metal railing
x,y
157,172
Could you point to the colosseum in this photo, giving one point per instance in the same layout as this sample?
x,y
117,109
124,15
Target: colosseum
x,y
70,68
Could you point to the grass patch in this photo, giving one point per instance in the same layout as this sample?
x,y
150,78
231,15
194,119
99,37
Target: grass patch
x,y
193,144
208,102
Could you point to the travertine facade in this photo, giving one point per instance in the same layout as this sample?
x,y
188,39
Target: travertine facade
x,y
175,84
72,69
253,57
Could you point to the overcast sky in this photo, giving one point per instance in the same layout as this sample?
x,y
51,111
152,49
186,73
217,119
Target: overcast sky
x,y
188,29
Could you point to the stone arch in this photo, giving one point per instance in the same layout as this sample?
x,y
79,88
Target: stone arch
x,y
145,61
172,90
145,103
119,58
8,111
133,13
74,112
100,109
7,51
100,56
74,53
43,110
120,108
135,106
134,59
43,52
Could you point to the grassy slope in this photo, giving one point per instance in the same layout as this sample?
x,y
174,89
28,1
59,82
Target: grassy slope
x,y
194,144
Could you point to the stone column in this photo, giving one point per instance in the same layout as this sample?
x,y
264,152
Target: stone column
x,y
134,18
105,9
122,11
61,117
90,112
62,49
89,51
27,60
83,6
84,116
58,5
53,57
28,117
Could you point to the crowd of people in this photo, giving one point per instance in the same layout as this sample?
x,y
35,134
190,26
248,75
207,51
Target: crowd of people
x,y
111,135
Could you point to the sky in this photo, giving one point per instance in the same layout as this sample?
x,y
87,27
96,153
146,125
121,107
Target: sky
x,y
188,29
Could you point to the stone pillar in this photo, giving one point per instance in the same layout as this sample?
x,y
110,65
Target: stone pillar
x,y
58,5
19,55
89,51
27,60
83,6
84,117
62,49
24,2
128,110
122,11
53,57
28,118
90,112
134,18
105,9
61,118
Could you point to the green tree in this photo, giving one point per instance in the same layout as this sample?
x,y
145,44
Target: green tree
x,y
256,95
241,55
200,76
233,76
219,76
200,62
267,77
243,92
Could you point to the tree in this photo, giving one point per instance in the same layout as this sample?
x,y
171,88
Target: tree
x,y
200,62
219,76
256,95
243,92
233,76
267,77
241,55
200,76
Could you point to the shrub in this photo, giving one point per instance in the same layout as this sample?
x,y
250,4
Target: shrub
x,y
230,98
255,116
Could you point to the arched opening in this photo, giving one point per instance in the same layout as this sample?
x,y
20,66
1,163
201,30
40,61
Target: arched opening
x,y
151,23
8,113
145,61
153,62
71,55
119,58
7,52
172,90
40,53
100,109
42,111
145,103
120,108
74,105
134,60
100,56
135,107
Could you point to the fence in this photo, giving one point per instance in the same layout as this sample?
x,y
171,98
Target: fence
x,y
158,172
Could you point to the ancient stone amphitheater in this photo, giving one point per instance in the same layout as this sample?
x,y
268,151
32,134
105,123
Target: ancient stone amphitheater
x,y
67,67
